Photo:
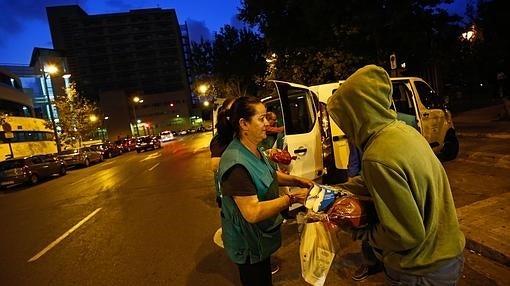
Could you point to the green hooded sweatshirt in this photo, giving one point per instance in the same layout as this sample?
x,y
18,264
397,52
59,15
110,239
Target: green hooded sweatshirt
x,y
417,229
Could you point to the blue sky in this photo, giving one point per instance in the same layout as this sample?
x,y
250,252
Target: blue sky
x,y
24,25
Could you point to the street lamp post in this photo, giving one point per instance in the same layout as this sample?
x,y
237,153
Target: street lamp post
x,y
203,89
46,75
136,100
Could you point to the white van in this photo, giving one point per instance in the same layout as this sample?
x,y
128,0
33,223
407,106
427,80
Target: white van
x,y
319,145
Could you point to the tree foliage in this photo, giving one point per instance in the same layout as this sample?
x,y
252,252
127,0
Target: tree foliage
x,y
74,113
340,36
232,65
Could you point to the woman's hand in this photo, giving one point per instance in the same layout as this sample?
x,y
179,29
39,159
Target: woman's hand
x,y
304,182
300,195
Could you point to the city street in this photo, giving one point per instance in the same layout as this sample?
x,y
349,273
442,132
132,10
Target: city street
x,y
149,219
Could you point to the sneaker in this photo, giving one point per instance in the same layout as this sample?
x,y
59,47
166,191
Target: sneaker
x,y
366,270
274,268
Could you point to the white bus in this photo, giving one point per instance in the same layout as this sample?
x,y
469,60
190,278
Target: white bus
x,y
28,136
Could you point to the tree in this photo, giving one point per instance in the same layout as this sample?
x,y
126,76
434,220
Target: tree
x,y
495,44
75,117
344,35
238,60
231,65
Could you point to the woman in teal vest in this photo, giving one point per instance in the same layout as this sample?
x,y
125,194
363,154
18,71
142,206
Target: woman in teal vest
x,y
251,204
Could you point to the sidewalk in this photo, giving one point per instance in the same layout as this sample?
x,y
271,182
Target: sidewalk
x,y
485,223
482,122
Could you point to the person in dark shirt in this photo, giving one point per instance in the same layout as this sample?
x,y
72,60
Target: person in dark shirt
x,y
220,141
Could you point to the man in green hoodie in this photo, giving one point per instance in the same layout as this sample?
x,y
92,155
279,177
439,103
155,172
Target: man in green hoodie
x,y
417,234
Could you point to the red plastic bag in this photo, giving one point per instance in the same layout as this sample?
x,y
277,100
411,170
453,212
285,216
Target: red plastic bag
x,y
351,211
280,156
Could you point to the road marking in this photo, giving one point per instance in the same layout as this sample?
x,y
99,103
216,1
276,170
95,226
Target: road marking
x,y
58,240
151,156
107,163
152,168
79,181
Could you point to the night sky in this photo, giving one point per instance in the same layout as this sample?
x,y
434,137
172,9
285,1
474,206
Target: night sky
x,y
24,25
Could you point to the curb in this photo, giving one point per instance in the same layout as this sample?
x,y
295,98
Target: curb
x,y
495,135
487,251
484,224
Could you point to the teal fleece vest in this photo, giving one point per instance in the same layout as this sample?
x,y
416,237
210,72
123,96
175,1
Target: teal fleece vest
x,y
243,240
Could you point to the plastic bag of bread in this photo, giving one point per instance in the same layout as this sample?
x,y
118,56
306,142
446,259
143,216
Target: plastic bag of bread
x,y
352,211
279,156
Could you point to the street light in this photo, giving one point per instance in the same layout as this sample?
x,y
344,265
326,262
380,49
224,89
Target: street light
x,y
47,70
203,89
136,100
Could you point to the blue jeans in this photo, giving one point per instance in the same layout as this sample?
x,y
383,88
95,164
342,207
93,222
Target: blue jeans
x,y
446,275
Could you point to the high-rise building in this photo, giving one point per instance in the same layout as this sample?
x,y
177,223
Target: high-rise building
x,y
116,57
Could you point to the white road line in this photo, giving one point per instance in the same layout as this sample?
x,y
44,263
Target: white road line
x,y
151,156
79,181
152,168
58,240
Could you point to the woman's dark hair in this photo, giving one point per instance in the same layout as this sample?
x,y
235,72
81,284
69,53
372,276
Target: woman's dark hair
x,y
224,135
243,107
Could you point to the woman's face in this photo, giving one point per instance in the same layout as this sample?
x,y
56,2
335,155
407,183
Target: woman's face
x,y
255,127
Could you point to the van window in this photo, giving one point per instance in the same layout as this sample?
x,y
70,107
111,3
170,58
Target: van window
x,y
428,96
402,98
299,111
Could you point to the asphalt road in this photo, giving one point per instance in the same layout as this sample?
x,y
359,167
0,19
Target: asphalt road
x,y
149,218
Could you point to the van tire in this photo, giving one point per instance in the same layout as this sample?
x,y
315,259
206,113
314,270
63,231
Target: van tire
x,y
450,147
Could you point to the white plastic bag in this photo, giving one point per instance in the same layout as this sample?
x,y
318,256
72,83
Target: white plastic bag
x,y
317,250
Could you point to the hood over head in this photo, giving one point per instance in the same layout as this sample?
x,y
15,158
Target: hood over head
x,y
361,105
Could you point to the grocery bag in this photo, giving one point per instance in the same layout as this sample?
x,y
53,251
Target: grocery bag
x,y
317,250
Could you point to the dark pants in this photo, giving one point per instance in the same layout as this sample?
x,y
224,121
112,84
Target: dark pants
x,y
446,275
367,251
258,274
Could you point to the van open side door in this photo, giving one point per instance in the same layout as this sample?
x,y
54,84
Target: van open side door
x,y
297,109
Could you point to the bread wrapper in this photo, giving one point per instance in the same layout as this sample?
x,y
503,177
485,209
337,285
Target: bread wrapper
x,y
320,198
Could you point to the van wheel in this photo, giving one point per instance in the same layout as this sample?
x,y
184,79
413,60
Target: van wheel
x,y
87,163
450,148
34,179
63,171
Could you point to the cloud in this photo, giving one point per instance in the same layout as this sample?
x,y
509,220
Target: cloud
x,y
15,13
198,30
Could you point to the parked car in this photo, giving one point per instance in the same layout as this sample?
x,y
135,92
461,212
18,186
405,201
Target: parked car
x,y
108,150
145,143
126,144
30,169
166,136
82,156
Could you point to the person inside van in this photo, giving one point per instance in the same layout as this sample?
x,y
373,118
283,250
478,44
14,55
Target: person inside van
x,y
274,132
416,234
